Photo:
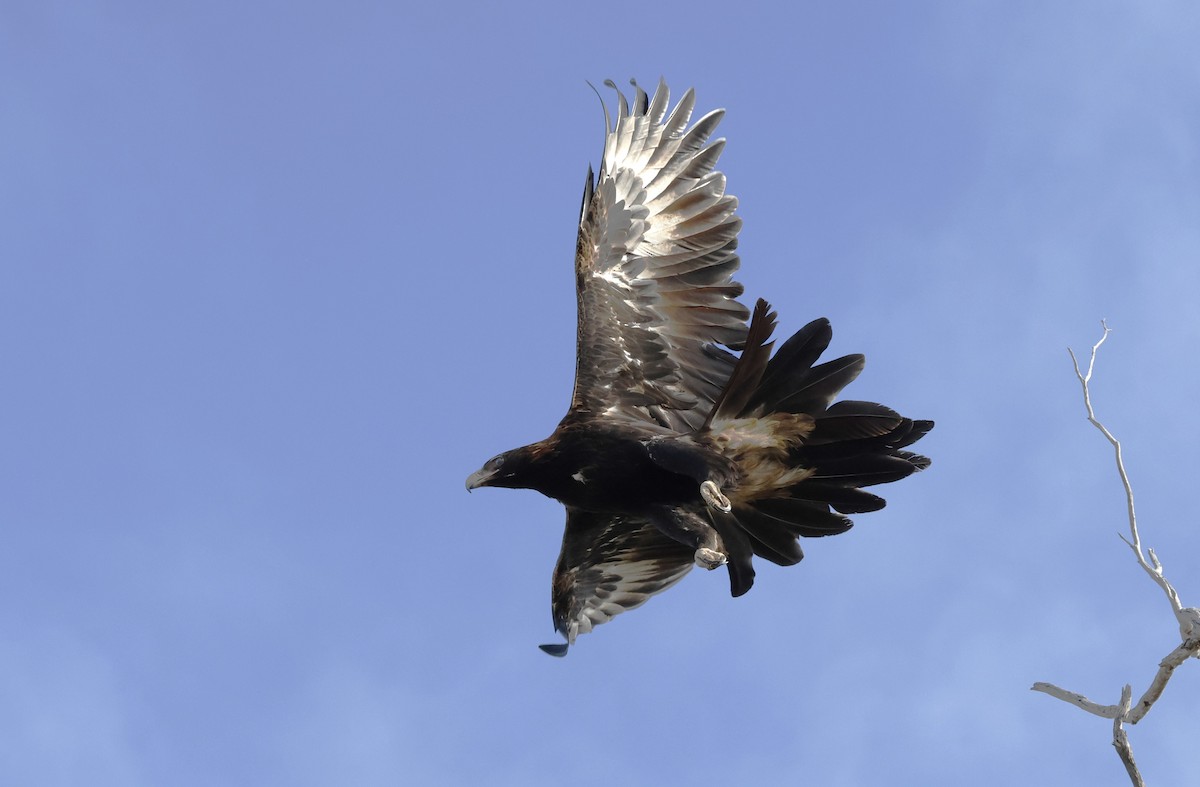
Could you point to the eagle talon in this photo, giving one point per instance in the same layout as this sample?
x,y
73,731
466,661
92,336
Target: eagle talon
x,y
712,495
709,558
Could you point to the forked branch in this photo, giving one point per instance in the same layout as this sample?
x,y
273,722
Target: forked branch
x,y
1187,617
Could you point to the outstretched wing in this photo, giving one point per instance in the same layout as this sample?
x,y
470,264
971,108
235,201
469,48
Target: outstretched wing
x,y
609,563
653,264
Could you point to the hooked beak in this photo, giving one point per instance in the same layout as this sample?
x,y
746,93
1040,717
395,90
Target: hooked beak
x,y
477,479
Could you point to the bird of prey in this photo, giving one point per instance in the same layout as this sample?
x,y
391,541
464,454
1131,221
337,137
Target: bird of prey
x,y
675,451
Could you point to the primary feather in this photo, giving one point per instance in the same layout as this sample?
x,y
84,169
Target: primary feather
x,y
675,450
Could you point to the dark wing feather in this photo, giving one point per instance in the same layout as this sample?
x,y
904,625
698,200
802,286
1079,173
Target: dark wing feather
x,y
610,563
654,261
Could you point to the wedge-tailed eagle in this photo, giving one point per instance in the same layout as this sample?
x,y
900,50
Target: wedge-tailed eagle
x,y
675,452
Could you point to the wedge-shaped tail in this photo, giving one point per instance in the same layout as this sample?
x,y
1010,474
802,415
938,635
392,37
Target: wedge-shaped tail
x,y
803,460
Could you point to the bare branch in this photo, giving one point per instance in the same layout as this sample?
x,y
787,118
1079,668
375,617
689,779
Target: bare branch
x,y
1151,567
1188,618
1078,700
1166,668
1121,740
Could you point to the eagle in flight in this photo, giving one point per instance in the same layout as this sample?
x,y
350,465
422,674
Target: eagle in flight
x,y
675,451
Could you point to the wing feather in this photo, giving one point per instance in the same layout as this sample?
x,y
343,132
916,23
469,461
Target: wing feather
x,y
609,564
654,263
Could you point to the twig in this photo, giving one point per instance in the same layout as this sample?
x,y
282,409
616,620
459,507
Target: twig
x,y
1152,567
1187,617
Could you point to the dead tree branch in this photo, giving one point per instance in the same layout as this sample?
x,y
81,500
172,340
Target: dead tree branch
x,y
1187,617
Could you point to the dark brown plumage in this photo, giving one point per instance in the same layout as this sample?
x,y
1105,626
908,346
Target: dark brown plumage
x,y
675,451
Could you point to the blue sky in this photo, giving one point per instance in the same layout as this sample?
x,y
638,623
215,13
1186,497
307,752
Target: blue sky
x,y
275,277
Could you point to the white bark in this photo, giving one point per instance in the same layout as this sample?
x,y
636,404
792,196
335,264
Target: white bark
x,y
1187,617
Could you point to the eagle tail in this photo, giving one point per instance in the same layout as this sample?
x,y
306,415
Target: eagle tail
x,y
850,445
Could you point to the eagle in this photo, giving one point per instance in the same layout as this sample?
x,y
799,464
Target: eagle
x,y
687,441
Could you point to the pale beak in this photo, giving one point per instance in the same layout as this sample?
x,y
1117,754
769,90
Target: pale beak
x,y
477,479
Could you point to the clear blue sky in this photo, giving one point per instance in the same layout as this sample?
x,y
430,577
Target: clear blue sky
x,y
275,277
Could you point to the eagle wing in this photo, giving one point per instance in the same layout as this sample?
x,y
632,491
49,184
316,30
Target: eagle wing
x,y
609,563
653,264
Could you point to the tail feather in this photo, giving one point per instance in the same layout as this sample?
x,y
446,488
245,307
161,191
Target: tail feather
x,y
870,469
748,373
804,517
849,420
771,538
823,451
917,461
843,499
793,384
793,360
851,444
919,430
738,552
815,389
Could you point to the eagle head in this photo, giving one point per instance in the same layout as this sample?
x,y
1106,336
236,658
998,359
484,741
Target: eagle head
x,y
504,470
